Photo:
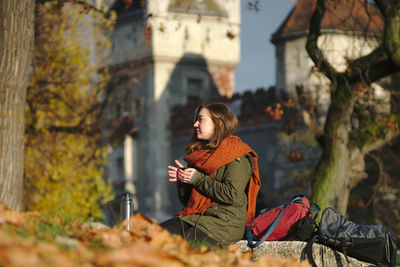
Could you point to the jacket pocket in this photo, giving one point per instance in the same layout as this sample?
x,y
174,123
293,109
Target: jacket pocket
x,y
218,212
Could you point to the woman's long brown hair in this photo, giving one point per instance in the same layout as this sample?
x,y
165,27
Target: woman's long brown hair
x,y
225,123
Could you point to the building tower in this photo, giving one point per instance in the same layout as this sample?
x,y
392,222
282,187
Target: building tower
x,y
165,53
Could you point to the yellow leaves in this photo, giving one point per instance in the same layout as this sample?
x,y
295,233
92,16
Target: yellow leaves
x,y
63,175
64,64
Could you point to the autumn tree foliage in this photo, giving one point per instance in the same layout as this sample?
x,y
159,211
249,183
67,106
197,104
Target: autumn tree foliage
x,y
344,143
65,99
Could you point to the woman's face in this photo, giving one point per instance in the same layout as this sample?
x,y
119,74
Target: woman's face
x,y
203,126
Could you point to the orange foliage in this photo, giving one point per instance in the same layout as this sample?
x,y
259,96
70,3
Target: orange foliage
x,y
294,156
361,90
147,244
12,217
275,113
356,204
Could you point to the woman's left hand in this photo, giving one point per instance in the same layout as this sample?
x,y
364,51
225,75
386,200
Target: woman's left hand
x,y
180,173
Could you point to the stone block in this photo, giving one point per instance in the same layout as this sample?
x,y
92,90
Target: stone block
x,y
323,255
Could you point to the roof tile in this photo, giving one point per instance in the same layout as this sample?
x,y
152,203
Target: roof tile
x,y
340,15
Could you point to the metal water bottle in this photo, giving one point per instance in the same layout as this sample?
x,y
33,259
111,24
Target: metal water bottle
x,y
126,208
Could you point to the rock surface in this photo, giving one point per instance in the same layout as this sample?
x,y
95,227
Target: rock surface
x,y
323,256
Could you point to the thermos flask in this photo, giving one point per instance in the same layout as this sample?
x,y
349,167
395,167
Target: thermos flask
x,y
126,208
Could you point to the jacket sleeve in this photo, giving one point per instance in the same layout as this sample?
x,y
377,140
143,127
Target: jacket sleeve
x,y
184,191
232,183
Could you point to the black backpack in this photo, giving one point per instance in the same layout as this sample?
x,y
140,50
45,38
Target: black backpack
x,y
370,243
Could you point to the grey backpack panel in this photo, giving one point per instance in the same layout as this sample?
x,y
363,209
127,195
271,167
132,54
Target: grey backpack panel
x,y
371,243
335,225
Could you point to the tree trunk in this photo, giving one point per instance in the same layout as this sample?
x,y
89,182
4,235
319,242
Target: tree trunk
x,y
16,43
332,184
342,166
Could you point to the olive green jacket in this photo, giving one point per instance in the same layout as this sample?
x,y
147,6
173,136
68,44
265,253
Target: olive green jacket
x,y
225,221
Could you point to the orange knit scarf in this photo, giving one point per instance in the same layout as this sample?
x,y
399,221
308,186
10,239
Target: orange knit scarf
x,y
208,161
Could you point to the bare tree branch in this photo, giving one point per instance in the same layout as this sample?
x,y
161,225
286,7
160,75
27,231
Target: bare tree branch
x,y
389,135
376,134
67,129
312,41
371,67
312,124
357,168
368,66
382,6
380,70
84,4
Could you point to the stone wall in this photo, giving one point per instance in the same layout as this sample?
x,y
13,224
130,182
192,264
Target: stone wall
x,y
323,256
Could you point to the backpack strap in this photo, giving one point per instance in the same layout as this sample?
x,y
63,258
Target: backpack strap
x,y
314,238
250,236
308,250
343,245
317,209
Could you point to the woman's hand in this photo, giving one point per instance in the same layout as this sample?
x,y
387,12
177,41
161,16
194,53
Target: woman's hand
x,y
180,173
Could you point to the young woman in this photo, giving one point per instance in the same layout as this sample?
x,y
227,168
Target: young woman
x,y
219,188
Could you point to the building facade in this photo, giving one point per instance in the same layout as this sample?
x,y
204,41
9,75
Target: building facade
x,y
165,53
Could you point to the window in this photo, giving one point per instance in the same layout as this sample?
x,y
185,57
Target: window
x,y
194,86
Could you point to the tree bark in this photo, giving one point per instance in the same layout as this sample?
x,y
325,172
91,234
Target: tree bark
x,y
331,186
392,33
16,44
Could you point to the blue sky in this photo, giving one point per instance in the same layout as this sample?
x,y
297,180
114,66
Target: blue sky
x,y
257,66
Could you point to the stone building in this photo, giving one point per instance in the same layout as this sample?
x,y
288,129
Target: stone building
x,y
164,53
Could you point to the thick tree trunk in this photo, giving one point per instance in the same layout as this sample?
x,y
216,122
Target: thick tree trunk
x,y
16,43
332,184
342,166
